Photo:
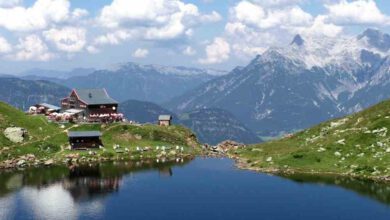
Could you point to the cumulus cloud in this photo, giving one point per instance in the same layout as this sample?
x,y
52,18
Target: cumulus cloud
x,y
154,19
115,37
92,49
255,25
277,3
253,14
321,27
5,47
32,48
213,17
38,16
189,51
79,13
356,12
9,3
68,39
216,52
140,53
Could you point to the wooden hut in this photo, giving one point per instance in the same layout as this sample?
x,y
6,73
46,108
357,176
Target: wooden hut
x,y
80,140
165,120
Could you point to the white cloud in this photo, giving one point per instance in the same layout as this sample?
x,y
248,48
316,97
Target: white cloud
x,y
213,17
256,25
141,53
248,41
216,52
9,3
277,3
248,12
40,15
254,15
189,51
79,13
149,12
115,37
356,12
320,27
68,39
92,49
154,19
32,48
5,47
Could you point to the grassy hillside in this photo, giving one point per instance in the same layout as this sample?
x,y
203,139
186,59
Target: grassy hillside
x,y
356,145
211,126
48,140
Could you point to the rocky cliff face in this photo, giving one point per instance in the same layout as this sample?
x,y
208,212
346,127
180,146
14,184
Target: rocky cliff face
x,y
293,87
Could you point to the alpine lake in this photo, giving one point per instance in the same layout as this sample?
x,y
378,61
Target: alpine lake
x,y
200,188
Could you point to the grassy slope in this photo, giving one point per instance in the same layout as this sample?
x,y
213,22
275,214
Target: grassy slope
x,y
357,145
48,140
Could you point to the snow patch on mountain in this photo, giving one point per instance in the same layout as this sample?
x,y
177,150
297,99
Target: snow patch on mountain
x,y
316,51
167,70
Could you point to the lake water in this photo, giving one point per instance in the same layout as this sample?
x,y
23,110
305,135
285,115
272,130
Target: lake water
x,y
197,189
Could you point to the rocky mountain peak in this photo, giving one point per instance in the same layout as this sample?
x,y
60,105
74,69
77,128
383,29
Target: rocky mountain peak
x,y
376,38
298,40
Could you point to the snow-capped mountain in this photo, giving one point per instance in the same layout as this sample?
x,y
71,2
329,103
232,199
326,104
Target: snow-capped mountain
x,y
167,70
308,81
343,51
142,82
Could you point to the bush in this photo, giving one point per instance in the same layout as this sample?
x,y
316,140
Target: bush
x,y
297,156
48,147
107,154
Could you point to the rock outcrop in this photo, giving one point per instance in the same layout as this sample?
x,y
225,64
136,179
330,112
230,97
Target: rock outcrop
x,y
15,134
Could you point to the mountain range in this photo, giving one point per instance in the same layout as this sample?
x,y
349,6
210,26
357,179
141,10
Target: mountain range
x,y
153,83
282,90
23,93
296,86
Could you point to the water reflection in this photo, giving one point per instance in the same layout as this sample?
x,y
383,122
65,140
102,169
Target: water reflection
x,y
86,182
165,171
152,190
379,191
67,193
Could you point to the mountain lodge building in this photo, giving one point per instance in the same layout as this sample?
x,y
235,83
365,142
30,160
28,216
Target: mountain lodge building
x,y
95,104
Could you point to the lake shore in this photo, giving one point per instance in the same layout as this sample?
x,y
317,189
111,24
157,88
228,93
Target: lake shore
x,y
242,164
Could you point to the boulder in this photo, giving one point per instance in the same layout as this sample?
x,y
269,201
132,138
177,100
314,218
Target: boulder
x,y
230,145
21,163
49,162
172,153
15,134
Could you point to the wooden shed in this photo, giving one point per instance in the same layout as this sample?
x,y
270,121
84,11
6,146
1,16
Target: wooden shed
x,y
80,140
165,120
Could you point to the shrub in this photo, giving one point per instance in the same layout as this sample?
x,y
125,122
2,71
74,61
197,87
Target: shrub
x,y
48,147
297,156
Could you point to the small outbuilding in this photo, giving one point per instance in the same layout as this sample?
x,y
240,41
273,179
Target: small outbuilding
x,y
44,109
81,140
164,120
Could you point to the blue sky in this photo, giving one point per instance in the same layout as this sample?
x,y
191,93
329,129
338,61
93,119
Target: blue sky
x,y
65,34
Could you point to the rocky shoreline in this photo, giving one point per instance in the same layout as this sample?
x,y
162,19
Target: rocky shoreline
x,y
30,160
243,165
74,159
